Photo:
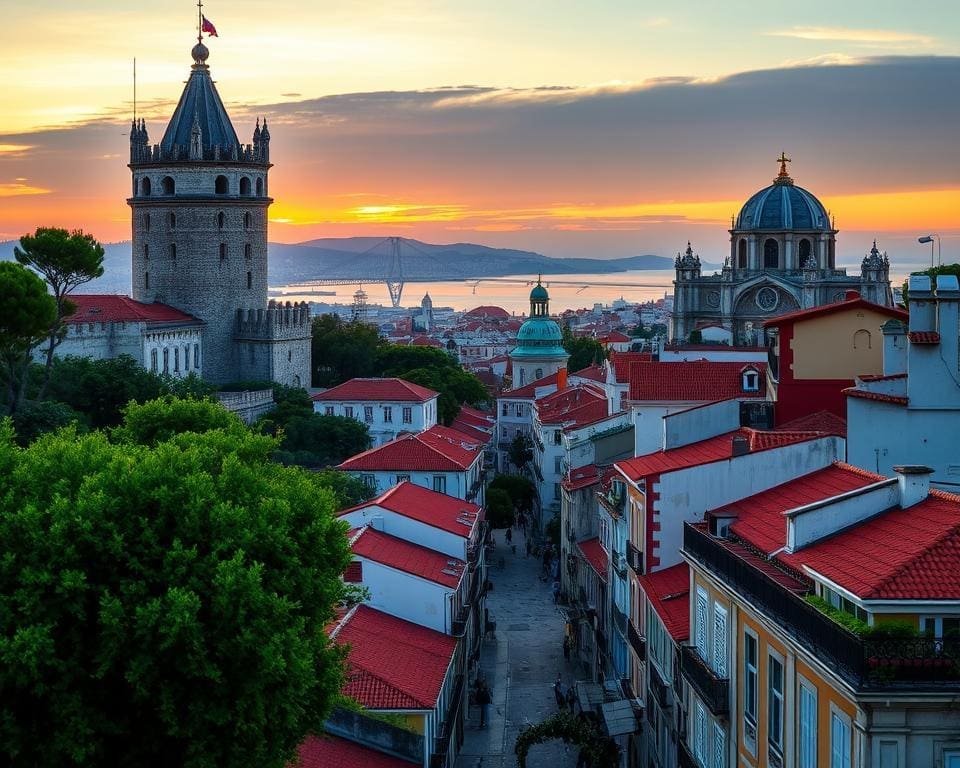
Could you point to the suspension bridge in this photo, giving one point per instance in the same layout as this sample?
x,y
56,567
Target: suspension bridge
x,y
396,261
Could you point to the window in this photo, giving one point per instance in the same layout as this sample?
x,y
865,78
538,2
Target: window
x,y
173,221
166,361
173,251
440,483
169,186
368,414
246,220
186,358
259,187
368,480
940,627
505,409
700,734
249,280
742,254
803,252
720,640
328,410
808,727
153,360
840,742
557,437
771,254
146,280
556,491
145,187
861,339
839,601
719,746
247,251
387,414
245,186
220,185
750,689
751,380
176,360
221,220
700,630
538,374
146,252
403,479
196,356
407,414
223,252
557,461
775,705
146,222
348,411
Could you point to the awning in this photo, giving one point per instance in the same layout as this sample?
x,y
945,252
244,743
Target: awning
x,y
619,718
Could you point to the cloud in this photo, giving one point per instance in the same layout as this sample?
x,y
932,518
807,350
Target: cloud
x,y
14,150
847,35
18,189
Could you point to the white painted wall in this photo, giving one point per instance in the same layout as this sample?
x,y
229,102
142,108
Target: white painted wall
x,y
648,423
407,596
422,416
457,483
729,355
686,494
409,529
695,424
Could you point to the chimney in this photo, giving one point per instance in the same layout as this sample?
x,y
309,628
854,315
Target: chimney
x,y
740,446
914,483
376,522
561,379
894,347
948,318
921,303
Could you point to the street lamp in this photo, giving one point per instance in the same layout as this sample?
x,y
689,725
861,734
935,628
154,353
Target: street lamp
x,y
929,239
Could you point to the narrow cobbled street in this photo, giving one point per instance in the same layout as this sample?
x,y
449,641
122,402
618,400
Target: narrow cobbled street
x,y
520,665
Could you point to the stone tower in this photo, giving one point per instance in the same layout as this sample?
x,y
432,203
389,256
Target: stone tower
x,y
199,207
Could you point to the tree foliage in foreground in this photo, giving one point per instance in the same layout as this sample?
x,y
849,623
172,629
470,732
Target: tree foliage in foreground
x,y
583,351
499,508
163,604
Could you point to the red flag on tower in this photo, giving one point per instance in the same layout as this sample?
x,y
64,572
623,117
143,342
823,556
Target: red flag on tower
x,y
207,27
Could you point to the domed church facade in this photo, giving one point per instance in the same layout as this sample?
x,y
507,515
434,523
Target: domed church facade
x,y
539,351
782,258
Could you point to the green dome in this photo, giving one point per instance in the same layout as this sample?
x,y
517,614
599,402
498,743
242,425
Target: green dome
x,y
539,293
539,337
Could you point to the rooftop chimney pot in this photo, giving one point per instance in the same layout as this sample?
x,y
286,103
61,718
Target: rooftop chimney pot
x,y
914,483
739,445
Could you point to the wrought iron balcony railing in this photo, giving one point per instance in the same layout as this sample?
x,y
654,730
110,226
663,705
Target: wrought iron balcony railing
x,y
637,641
710,687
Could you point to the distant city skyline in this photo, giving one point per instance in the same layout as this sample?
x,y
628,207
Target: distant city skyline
x,y
603,131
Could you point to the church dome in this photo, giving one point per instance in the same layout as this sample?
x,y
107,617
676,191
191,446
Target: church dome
x,y
539,293
783,206
539,337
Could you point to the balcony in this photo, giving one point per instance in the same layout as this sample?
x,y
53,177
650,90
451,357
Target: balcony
x,y
685,757
712,689
613,501
620,621
440,757
619,563
637,641
659,689
635,559
882,664
477,485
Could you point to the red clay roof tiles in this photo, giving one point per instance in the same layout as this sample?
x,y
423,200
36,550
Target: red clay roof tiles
x,y
594,554
379,390
329,751
99,308
669,593
700,380
407,557
426,506
438,449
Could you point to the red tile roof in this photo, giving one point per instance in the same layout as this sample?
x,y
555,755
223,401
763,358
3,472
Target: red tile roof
x,y
438,449
582,477
760,519
822,421
923,337
700,380
380,390
100,308
717,448
592,372
329,751
578,404
853,304
471,432
410,558
593,552
392,663
424,341
669,593
881,377
880,397
477,418
529,391
488,311
448,513
623,361
614,337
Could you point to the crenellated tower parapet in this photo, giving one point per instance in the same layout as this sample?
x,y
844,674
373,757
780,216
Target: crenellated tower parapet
x,y
278,321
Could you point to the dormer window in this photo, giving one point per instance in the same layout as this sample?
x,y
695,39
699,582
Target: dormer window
x,y
751,380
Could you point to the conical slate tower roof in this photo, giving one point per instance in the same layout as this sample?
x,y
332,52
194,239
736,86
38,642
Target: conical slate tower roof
x,y
200,105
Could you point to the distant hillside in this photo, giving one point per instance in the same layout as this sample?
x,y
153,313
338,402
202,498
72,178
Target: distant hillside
x,y
368,257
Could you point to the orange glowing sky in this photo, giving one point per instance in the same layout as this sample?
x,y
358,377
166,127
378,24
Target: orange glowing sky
x,y
597,129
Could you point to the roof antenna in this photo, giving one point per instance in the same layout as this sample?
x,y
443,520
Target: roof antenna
x,y
134,89
199,21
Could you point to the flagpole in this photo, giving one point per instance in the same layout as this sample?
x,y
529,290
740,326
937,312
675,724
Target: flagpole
x,y
199,21
134,89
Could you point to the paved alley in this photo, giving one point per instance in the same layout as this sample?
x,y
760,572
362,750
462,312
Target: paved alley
x,y
520,665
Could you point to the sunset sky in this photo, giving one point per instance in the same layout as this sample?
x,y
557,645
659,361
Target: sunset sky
x,y
572,128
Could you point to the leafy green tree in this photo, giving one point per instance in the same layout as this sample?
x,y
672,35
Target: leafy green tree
x,y
163,605
552,531
37,417
943,269
583,351
499,508
100,389
521,450
521,491
157,421
454,385
189,386
66,260
315,440
342,350
347,489
26,313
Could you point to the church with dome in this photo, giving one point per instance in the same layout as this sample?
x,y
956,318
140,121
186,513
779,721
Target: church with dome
x,y
539,351
782,258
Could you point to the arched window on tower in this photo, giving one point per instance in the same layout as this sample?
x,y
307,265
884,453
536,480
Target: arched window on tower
x,y
245,186
803,252
146,281
249,279
742,254
223,252
246,220
169,186
220,185
861,339
166,361
145,186
832,254
173,221
538,374
146,252
247,251
153,360
221,220
173,251
259,187
146,222
771,254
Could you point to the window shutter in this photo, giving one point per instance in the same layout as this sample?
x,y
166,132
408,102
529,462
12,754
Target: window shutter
x,y
719,640
719,746
808,728
701,733
701,628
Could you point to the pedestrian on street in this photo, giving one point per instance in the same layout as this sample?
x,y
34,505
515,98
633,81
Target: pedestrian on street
x,y
556,592
509,536
529,548
566,648
483,699
559,693
571,698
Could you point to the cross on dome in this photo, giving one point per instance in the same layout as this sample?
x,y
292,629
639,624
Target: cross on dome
x,y
783,177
